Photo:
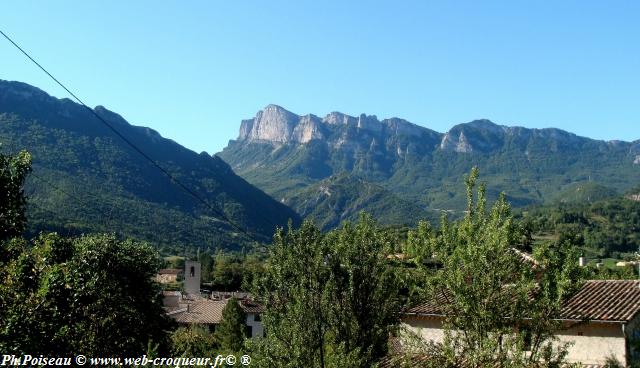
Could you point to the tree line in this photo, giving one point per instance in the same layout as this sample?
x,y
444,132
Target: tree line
x,y
331,299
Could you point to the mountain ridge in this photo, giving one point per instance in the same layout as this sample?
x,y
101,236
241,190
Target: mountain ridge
x,y
84,158
282,152
275,118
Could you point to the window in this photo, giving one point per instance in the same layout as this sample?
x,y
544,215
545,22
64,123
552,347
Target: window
x,y
257,318
192,272
248,331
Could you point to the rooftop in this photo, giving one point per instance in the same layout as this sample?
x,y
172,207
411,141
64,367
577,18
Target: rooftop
x,y
207,311
597,300
604,300
169,271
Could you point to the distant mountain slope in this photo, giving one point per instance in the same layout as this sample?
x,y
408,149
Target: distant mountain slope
x,y
607,227
282,153
585,192
342,197
87,179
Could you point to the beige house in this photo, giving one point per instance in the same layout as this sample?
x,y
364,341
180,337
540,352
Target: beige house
x,y
195,310
600,321
168,275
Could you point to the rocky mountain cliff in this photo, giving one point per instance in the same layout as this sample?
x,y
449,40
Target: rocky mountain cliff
x,y
86,179
284,153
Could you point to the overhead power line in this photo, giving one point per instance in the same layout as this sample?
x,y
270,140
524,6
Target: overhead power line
x,y
219,213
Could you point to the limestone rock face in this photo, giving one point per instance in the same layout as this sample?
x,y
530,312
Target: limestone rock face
x,y
338,118
457,143
308,128
403,127
293,155
276,125
369,123
273,124
245,129
634,150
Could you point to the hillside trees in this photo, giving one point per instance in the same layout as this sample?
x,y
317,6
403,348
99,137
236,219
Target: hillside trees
x,y
606,228
60,296
331,300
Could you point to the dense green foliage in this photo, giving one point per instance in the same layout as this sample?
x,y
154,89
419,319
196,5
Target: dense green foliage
x,y
193,341
605,228
226,271
59,296
331,300
92,295
495,300
88,180
342,197
13,172
231,331
584,192
532,166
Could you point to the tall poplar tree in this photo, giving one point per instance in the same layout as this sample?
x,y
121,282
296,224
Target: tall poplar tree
x,y
331,299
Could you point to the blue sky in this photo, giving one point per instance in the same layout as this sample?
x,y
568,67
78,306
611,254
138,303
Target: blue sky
x,y
193,70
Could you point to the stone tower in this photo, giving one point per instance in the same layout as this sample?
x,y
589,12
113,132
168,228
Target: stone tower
x,y
192,277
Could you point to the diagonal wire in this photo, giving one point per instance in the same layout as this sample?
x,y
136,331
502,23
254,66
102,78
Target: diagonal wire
x,y
132,145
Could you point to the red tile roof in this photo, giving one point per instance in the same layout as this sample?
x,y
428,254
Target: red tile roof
x,y
597,300
249,306
207,311
201,312
169,271
604,300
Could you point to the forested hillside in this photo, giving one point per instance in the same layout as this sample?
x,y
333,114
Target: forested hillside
x,y
85,179
603,228
342,197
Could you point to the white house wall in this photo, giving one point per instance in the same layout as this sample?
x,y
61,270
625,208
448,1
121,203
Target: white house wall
x,y
592,343
256,326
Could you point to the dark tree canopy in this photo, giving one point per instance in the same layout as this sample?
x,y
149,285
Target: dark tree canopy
x,y
231,331
93,295
13,172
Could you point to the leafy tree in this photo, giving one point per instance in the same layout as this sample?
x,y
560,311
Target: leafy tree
x,y
365,300
495,299
231,331
606,228
293,293
193,341
13,172
227,273
92,295
331,300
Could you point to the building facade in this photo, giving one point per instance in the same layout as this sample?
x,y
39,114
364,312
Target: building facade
x,y
601,321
